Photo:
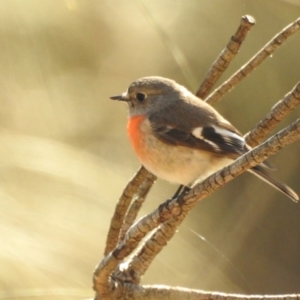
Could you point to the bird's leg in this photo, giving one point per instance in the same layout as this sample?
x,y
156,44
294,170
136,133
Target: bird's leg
x,y
181,191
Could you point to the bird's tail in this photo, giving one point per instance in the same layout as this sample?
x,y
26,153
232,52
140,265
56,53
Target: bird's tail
x,y
264,174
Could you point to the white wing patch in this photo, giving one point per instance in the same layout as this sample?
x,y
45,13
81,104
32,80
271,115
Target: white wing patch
x,y
220,139
228,135
197,132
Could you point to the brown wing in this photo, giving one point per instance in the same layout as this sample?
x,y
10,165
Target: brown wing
x,y
214,138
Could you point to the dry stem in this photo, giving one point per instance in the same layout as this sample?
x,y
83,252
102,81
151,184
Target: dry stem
x,y
136,205
160,292
121,208
278,112
225,57
254,62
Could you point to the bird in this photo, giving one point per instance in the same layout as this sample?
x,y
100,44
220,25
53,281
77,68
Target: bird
x,y
182,139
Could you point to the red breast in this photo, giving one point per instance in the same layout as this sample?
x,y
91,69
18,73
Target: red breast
x,y
136,135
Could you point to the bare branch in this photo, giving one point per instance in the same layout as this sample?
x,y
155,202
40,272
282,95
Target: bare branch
x,y
160,292
136,205
225,57
140,262
255,61
122,206
278,112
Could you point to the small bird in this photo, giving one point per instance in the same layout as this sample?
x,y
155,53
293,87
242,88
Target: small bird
x,y
182,139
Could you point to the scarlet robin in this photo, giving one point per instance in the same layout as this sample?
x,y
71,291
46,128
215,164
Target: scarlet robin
x,y
180,138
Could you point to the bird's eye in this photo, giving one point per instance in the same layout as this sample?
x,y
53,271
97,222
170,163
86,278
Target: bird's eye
x,y
140,96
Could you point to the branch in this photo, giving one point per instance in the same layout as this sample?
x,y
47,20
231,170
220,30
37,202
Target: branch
x,y
254,62
141,261
136,205
160,292
225,57
278,112
122,206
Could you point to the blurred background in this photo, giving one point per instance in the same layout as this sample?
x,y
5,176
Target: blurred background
x,y
65,156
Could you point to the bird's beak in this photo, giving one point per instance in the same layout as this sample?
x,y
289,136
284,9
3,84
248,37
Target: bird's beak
x,y
123,97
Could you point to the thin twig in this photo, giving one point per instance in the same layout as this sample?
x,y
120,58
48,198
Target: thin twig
x,y
136,204
110,262
121,208
161,292
278,112
141,261
255,61
225,57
